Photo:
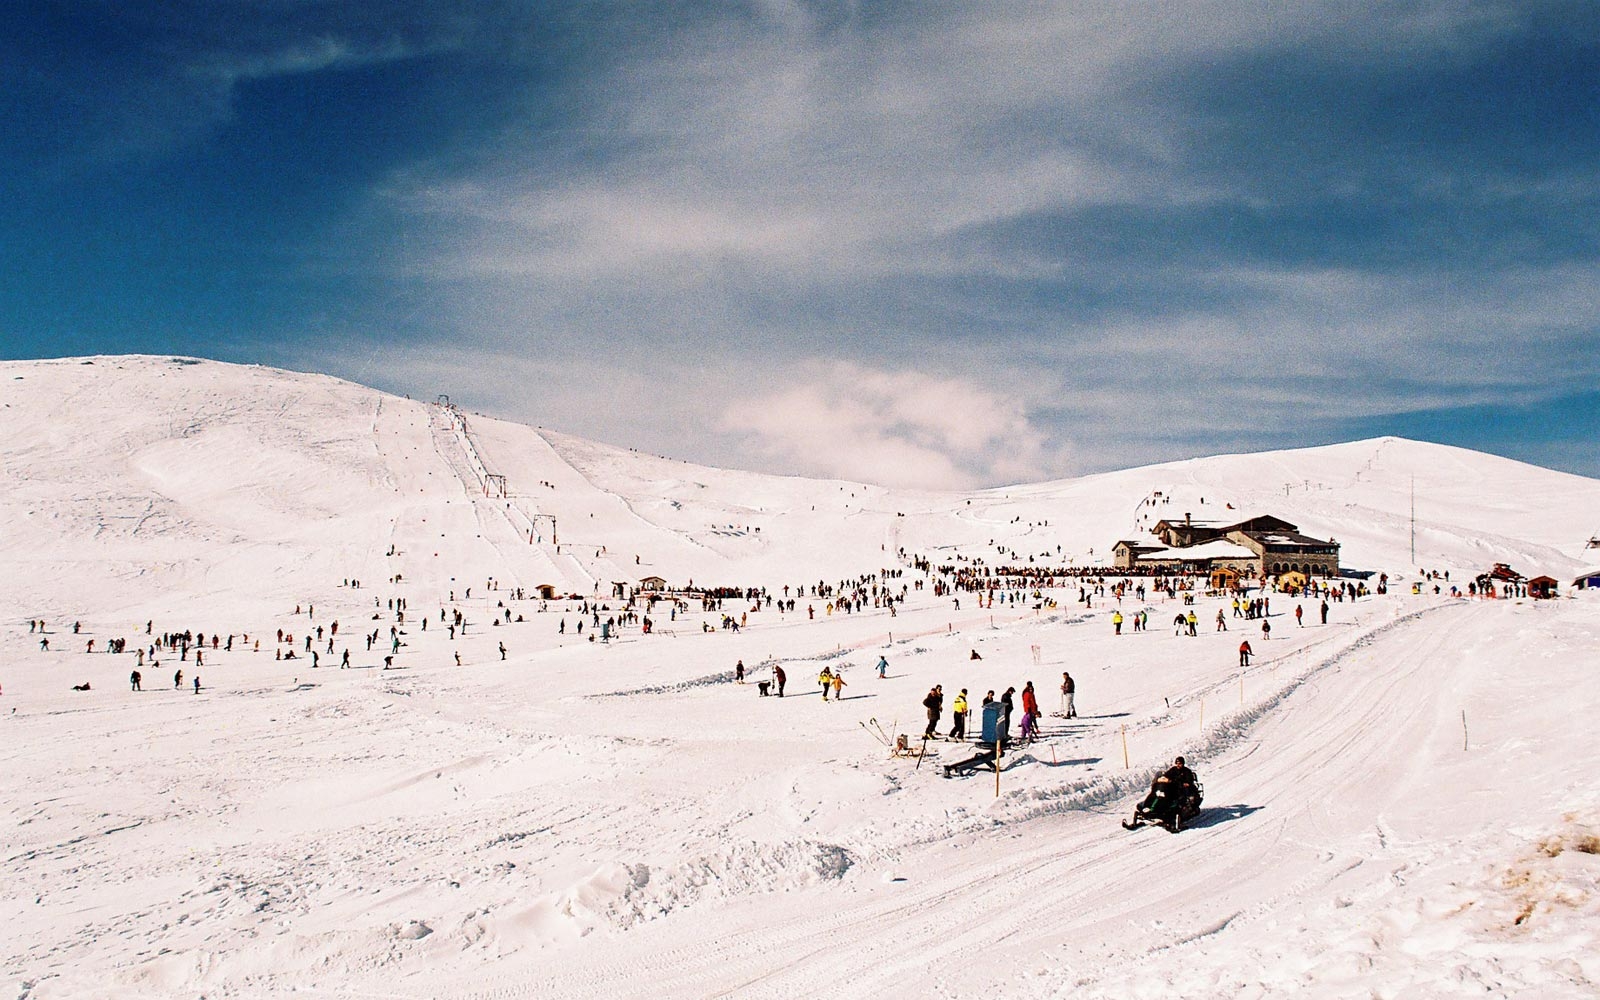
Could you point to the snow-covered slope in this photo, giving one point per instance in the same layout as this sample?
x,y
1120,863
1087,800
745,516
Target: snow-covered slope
x,y
1399,802
181,477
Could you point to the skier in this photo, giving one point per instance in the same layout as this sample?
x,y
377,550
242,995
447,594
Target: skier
x,y
1030,701
1324,611
1069,688
838,686
1116,622
502,651
738,672
883,667
779,676
1244,653
177,680
196,683
134,679
826,680
1299,612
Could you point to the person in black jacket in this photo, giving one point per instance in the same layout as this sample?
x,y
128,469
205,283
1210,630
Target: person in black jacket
x,y
1170,789
934,703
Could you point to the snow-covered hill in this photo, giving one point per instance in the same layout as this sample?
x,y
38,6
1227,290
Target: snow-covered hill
x,y
181,477
1399,801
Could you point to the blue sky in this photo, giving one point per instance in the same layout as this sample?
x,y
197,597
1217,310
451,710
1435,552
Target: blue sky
x,y
943,245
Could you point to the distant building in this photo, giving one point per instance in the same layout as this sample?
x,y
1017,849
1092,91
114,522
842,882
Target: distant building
x,y
653,583
1260,546
1288,551
1125,554
1544,587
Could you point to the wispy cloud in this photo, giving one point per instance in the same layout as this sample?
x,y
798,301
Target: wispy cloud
x,y
1014,190
1127,231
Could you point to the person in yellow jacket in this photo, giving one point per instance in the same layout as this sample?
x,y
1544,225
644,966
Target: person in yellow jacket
x,y
1116,622
958,710
838,686
826,680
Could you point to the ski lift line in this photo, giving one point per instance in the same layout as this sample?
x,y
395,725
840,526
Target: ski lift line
x,y
473,461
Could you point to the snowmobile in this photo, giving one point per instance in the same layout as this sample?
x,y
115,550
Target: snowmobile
x,y
1169,809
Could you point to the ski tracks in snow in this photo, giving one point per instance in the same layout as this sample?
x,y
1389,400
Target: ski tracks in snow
x,y
1336,726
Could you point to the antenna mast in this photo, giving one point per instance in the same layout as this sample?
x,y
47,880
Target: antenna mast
x,y
1413,520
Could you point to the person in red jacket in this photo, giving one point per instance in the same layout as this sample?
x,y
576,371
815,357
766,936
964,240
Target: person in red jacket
x,y
1030,703
1244,653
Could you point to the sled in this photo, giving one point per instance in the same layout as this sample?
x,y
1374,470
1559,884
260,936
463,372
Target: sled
x,y
904,748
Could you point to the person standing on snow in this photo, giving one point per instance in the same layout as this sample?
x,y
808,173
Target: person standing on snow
x,y
883,667
1244,653
779,676
134,679
1030,702
838,686
934,703
825,679
1069,689
958,712
738,672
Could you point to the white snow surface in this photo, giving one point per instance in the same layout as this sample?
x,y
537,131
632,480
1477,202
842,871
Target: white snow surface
x,y
1399,803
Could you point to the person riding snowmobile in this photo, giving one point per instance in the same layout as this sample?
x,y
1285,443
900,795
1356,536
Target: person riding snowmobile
x,y
1174,797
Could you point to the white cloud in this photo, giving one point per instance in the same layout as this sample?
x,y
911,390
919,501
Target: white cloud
x,y
894,428
763,193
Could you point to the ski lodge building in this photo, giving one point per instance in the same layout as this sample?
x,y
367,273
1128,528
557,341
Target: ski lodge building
x,y
1260,546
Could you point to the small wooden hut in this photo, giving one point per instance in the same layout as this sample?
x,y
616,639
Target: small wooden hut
x,y
1544,587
